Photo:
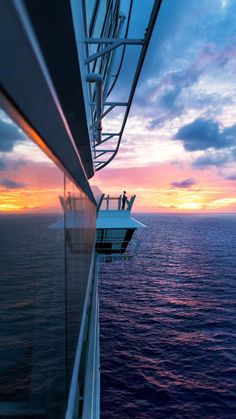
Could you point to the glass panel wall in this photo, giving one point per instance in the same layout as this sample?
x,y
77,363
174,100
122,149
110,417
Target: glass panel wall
x,y
80,228
42,285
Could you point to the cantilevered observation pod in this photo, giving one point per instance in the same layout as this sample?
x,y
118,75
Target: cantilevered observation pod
x,y
115,228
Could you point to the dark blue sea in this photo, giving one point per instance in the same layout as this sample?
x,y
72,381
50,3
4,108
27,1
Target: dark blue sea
x,y
168,322
167,319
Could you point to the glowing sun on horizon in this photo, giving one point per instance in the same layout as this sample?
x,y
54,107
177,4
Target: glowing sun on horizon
x,y
190,206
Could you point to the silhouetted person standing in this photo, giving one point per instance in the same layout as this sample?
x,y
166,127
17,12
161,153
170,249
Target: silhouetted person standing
x,y
124,199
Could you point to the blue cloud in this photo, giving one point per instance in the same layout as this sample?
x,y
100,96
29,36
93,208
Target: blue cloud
x,y
186,183
218,158
170,96
189,42
16,164
7,164
210,159
2,164
12,184
9,135
203,134
183,28
177,81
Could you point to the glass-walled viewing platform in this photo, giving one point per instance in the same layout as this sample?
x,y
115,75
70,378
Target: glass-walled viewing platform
x,y
115,227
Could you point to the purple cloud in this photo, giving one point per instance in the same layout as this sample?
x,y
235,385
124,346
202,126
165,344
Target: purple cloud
x,y
7,164
166,95
12,184
231,177
186,183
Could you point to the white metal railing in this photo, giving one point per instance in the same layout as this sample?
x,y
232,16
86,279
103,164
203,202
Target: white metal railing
x,y
91,406
115,203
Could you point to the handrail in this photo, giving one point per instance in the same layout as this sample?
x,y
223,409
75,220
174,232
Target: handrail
x,y
108,198
98,80
111,198
74,399
91,407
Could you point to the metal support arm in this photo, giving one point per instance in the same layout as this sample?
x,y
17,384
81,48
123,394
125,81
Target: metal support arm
x,y
113,44
98,80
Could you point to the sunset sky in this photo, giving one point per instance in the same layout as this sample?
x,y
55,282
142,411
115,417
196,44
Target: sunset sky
x,y
179,148
178,151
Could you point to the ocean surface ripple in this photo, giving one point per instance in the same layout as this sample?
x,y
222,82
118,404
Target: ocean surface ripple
x,y
168,322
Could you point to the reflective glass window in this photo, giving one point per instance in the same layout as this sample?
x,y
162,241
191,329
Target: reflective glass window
x,y
46,248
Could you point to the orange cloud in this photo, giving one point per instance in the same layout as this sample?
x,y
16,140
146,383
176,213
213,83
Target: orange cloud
x,y
157,188
44,182
163,187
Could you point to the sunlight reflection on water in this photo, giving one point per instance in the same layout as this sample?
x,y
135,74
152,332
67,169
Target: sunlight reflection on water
x,y
168,334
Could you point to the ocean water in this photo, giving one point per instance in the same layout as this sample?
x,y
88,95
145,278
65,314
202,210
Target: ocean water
x,y
32,319
168,322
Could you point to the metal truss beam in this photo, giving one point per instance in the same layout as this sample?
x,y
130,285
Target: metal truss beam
x,y
111,103
102,152
127,41
114,44
108,138
101,60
